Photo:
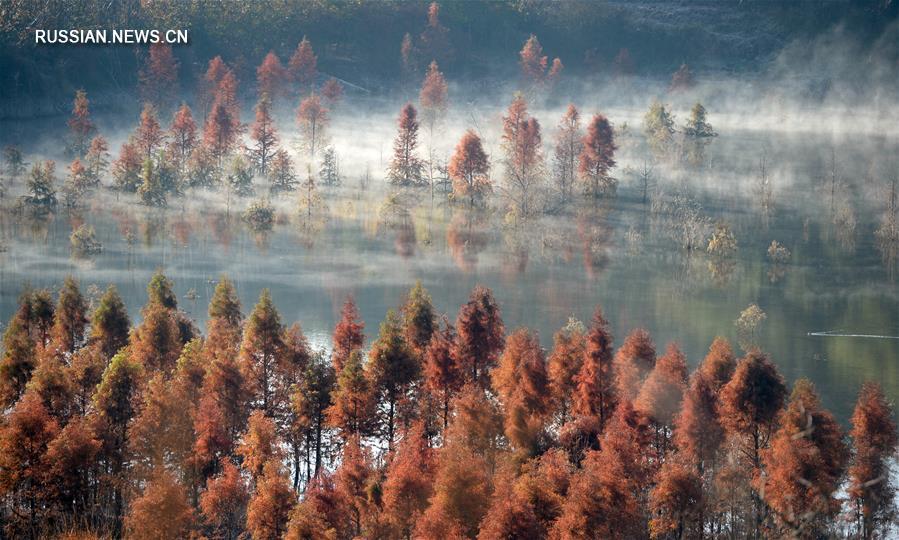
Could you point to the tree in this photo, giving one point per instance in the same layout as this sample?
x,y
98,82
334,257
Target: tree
x,y
224,502
332,91
262,345
110,323
76,184
435,42
871,486
804,465
658,126
392,369
182,137
676,503
311,404
71,468
260,445
521,382
419,319
595,395
270,76
442,374
302,67
682,79
348,334
161,512
568,149
24,437
719,364
510,514
126,168
407,57
433,97
405,167
469,168
19,361
226,93
409,478
281,173
750,405
461,492
535,69
159,76
698,432
81,127
42,186
632,363
263,134
564,364
521,143
353,399
151,190
312,119
209,84
239,180
269,509
480,330
352,481
221,131
97,159
68,333
14,161
600,503
748,325
115,402
597,157
661,395
149,135
329,173
697,134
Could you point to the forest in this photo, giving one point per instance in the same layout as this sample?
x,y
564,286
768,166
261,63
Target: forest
x,y
229,282
441,429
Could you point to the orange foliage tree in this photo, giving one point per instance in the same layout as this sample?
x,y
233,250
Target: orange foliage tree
x,y
469,168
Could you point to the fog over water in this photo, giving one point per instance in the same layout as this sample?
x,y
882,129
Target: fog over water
x,y
621,254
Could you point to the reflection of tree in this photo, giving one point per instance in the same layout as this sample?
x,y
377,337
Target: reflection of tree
x,y
518,239
405,239
466,237
221,226
394,215
181,230
887,233
595,234
152,227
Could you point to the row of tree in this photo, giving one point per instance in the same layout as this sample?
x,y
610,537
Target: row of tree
x,y
434,430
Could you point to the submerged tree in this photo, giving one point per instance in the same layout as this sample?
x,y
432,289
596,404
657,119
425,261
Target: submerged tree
x,y
521,142
597,158
329,173
405,167
312,119
567,152
433,97
658,126
281,173
469,168
263,134
535,69
42,186
697,135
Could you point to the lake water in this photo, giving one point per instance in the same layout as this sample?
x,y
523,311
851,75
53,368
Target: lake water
x,y
620,255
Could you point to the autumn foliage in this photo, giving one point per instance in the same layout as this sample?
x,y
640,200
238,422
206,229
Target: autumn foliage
x,y
434,430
